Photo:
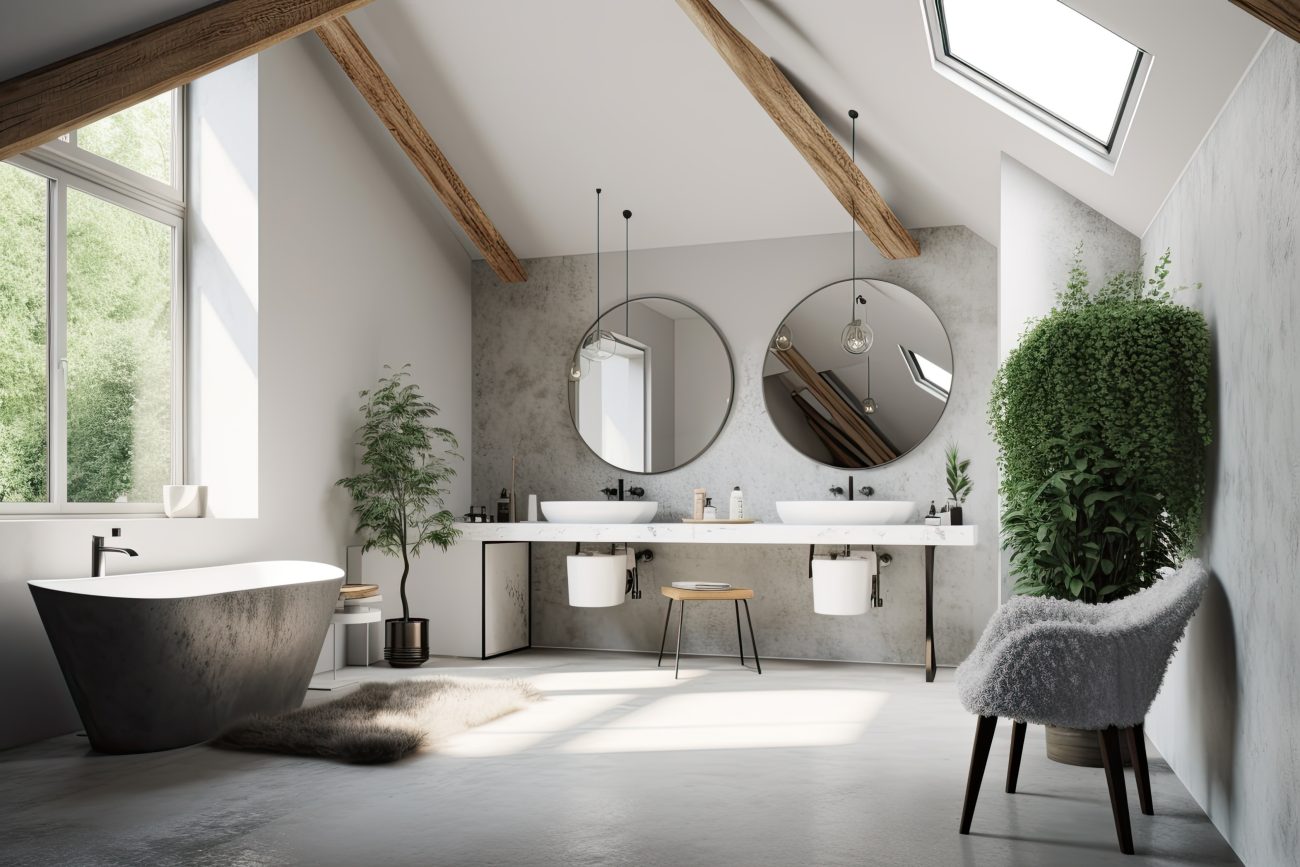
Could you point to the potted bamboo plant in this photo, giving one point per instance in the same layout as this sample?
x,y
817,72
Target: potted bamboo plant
x,y
959,482
398,495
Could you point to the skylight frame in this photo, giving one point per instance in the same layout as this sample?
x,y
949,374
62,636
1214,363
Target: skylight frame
x,y
916,368
1027,110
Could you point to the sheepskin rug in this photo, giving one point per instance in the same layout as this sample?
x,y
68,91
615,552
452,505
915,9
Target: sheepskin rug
x,y
382,721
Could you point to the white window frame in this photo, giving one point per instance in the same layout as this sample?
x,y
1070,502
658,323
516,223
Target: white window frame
x,y
923,382
1038,117
65,166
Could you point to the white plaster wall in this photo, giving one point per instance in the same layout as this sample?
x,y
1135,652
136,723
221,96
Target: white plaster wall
x,y
746,289
1228,718
1041,225
356,270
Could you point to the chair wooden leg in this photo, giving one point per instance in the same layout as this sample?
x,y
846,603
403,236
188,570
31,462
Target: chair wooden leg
x,y
1113,761
753,645
1137,750
681,618
979,757
739,640
664,640
1017,747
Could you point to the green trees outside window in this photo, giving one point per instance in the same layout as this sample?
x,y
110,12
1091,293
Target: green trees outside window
x,y
87,294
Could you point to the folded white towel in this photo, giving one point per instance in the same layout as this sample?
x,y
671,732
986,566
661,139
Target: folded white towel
x,y
701,585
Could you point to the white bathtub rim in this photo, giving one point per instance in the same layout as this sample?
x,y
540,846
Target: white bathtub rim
x,y
172,583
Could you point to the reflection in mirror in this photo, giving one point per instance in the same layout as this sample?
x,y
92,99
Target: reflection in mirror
x,y
662,395
858,411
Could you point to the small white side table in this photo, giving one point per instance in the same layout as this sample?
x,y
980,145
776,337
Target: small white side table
x,y
351,615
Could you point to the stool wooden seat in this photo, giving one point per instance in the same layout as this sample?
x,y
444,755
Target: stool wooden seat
x,y
735,595
682,595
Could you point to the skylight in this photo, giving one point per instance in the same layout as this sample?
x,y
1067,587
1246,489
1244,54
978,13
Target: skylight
x,y
1046,59
928,376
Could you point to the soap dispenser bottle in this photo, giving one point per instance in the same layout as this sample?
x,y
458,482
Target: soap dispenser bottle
x,y
710,511
736,511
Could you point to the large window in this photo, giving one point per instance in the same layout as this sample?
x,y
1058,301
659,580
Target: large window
x,y
91,316
1044,59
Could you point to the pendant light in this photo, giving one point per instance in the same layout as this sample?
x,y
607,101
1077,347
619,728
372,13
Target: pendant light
x,y
783,339
857,335
627,271
598,344
868,402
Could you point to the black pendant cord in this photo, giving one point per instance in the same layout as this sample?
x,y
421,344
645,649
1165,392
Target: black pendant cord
x,y
598,263
627,271
853,215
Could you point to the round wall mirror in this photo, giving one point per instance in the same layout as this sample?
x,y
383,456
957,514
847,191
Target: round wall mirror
x,y
650,385
858,374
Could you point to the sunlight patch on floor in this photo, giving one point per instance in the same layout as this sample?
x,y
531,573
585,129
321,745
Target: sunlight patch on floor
x,y
581,681
731,720
527,728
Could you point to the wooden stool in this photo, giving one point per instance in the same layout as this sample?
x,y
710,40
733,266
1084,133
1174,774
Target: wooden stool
x,y
735,594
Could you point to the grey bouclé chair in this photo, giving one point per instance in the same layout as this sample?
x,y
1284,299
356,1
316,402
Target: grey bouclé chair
x,y
1081,666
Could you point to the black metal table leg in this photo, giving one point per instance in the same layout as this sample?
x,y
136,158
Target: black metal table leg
x,y
752,643
739,640
681,618
930,663
664,640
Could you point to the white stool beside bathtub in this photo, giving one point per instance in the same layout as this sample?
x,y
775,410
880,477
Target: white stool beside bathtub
x,y
359,613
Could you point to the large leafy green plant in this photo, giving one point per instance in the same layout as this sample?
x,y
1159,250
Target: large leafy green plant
x,y
1092,531
1123,372
398,497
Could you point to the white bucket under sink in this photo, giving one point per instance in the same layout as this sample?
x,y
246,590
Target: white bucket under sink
x,y
843,586
597,580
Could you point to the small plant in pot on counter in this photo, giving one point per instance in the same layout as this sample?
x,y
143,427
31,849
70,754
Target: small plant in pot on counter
x,y
959,483
398,497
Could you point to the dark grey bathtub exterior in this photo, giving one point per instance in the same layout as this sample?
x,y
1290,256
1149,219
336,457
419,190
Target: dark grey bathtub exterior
x,y
155,674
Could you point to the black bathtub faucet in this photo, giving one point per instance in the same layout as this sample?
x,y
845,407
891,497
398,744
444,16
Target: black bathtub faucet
x,y
98,549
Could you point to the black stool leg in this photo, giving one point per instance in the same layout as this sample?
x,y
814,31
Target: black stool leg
x,y
1017,747
979,757
664,640
681,617
739,640
1137,750
1114,764
753,644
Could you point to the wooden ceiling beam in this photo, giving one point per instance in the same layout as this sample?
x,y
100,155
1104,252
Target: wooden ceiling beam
x,y
805,130
1282,15
42,105
396,114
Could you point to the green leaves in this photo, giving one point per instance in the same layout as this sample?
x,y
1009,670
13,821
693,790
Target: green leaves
x,y
959,483
1101,420
1092,531
398,497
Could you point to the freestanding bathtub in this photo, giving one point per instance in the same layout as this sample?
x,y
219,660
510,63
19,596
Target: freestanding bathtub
x,y
164,659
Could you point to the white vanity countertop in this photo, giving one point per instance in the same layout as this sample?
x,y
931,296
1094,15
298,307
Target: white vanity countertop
x,y
774,533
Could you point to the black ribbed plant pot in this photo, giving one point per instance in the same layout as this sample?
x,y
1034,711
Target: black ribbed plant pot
x,y
406,642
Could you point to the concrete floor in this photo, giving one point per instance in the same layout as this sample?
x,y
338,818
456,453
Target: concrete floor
x,y
812,763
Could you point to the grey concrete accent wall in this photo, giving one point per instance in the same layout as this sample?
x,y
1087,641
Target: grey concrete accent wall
x,y
1228,719
524,335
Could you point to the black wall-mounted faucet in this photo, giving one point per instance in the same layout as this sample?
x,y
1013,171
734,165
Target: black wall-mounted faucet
x,y
865,490
98,549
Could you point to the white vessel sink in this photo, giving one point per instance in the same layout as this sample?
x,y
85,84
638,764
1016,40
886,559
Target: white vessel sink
x,y
846,511
599,511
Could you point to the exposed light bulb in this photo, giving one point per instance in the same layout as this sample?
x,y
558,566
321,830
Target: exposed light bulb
x,y
869,406
598,345
783,339
857,337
